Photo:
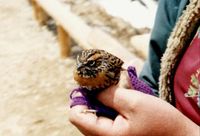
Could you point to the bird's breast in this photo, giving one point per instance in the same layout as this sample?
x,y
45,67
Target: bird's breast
x,y
99,81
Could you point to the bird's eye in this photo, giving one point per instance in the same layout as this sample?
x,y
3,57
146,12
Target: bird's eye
x,y
91,63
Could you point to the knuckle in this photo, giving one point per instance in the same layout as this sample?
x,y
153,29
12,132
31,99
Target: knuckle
x,y
136,102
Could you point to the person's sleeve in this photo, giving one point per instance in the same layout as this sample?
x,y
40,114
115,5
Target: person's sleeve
x,y
165,20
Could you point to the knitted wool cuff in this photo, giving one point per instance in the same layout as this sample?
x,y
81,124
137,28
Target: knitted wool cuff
x,y
88,99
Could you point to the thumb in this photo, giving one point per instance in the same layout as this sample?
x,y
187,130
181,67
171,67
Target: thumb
x,y
120,99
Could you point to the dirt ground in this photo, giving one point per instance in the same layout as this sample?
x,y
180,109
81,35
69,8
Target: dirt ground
x,y
35,82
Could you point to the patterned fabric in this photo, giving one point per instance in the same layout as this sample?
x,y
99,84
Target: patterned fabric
x,y
88,98
187,81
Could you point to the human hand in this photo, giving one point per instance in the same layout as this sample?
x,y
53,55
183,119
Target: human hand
x,y
87,97
139,114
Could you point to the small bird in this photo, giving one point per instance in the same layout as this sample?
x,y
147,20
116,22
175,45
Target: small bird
x,y
97,69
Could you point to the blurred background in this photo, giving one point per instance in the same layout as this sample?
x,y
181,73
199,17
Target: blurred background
x,y
35,81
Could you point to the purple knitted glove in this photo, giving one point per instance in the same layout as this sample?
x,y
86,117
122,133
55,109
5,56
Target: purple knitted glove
x,y
138,84
88,98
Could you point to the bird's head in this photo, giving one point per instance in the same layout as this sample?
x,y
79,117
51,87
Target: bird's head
x,y
90,62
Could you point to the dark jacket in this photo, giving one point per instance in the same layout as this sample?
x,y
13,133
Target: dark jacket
x,y
167,15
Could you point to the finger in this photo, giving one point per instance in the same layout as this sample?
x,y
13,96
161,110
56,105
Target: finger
x,y
89,123
120,99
